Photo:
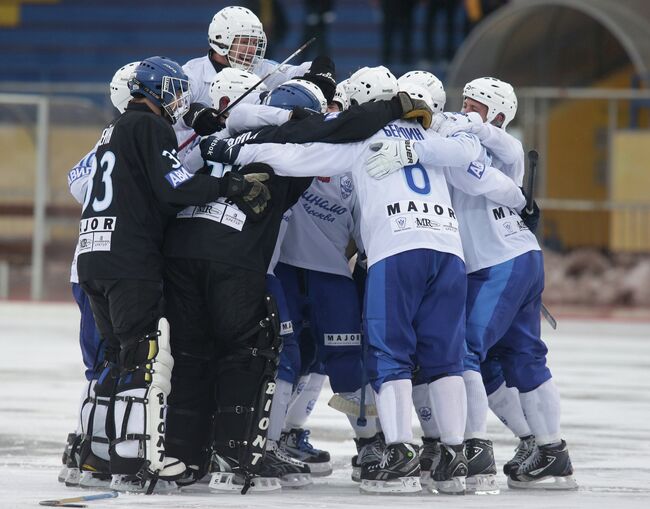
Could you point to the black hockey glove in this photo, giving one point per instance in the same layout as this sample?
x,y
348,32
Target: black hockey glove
x,y
203,119
322,73
531,220
300,113
219,151
415,108
248,190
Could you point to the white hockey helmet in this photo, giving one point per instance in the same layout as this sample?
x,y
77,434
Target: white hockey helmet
x,y
341,96
230,84
431,83
297,93
417,92
497,95
371,84
237,34
120,92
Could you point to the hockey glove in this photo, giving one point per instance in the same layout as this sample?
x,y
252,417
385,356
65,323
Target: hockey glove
x,y
390,156
203,119
248,192
219,151
531,219
322,74
415,108
448,124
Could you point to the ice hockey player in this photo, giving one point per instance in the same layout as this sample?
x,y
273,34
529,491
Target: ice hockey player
x,y
505,284
86,455
136,186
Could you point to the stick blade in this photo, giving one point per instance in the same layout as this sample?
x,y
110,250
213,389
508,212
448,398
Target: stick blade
x,y
56,503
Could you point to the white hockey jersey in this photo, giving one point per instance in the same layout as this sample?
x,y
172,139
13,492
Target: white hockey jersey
x,y
491,229
409,209
321,226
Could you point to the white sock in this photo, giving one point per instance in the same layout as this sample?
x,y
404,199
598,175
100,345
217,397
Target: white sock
x,y
394,402
279,407
303,403
505,404
542,410
371,428
449,404
477,405
422,404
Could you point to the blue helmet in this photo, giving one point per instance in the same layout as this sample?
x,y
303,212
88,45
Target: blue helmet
x,y
297,93
162,81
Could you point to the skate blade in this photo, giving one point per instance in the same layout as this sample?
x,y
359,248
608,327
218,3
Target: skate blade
x,y
226,482
482,484
566,482
295,480
320,469
399,485
162,487
454,486
425,478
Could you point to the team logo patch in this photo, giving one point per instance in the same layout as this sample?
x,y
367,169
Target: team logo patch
x,y
343,339
347,186
286,328
425,413
310,406
476,169
177,177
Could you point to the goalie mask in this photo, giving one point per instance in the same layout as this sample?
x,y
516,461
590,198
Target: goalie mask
x,y
432,84
120,93
497,95
163,82
230,84
297,93
371,84
237,34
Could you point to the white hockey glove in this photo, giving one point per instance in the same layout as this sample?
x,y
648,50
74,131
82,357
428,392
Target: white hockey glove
x,y
390,156
448,124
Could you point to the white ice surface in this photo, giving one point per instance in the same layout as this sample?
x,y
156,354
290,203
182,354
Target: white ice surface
x,y
602,369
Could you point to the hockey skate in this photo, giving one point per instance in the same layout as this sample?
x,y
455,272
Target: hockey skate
x,y
481,468
69,473
523,450
133,484
369,451
451,472
292,473
429,458
548,468
227,477
398,471
296,444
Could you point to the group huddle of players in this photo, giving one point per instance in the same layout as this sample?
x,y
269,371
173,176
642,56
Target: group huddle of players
x,y
241,242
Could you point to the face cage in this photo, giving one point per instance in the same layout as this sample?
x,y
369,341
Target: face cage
x,y
175,95
241,58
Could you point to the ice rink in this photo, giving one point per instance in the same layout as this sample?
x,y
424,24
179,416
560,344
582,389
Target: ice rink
x,y
602,368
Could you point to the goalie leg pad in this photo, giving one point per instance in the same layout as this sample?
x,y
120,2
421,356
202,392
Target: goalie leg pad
x,y
245,396
139,408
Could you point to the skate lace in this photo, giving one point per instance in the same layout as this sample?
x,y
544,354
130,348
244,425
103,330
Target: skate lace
x,y
282,455
523,450
532,462
386,457
302,441
371,451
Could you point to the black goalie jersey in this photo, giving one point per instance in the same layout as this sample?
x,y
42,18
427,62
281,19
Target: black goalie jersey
x,y
137,184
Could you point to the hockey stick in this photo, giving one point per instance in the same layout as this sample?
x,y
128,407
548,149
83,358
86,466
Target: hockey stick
x,y
338,402
70,502
241,97
533,157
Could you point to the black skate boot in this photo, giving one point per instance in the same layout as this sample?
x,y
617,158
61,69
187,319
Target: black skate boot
x,y
449,476
549,467
291,472
397,472
95,472
481,468
69,473
522,451
227,477
429,458
369,451
295,443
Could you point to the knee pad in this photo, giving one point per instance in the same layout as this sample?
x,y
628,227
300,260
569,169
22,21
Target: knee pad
x,y
139,408
244,392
